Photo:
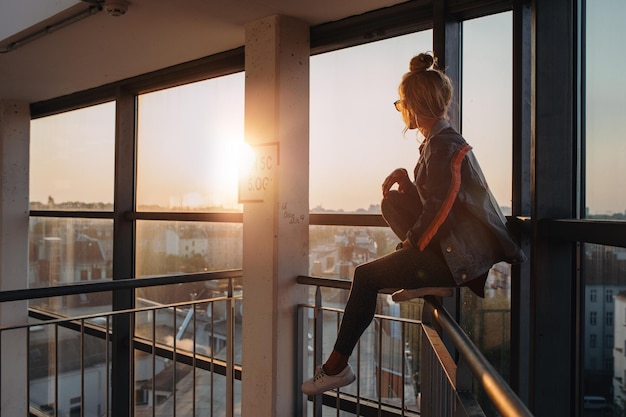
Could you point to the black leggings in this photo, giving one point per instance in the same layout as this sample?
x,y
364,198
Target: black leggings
x,y
406,268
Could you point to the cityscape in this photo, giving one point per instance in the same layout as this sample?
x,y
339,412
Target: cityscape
x,y
66,250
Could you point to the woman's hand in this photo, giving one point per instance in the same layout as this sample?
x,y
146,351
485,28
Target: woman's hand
x,y
398,176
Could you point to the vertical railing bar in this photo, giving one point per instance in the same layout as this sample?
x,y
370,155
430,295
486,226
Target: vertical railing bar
x,y
193,361
230,350
379,372
402,347
174,344
153,388
337,398
358,379
27,361
106,361
56,370
212,354
27,368
301,358
82,368
317,351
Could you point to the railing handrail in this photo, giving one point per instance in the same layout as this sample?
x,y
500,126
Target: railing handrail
x,y
115,284
502,396
343,284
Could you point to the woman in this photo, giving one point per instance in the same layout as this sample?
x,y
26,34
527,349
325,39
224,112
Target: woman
x,y
451,227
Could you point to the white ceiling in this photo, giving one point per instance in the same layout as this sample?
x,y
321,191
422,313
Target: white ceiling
x,y
153,34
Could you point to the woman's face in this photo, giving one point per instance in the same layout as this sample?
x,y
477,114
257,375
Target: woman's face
x,y
407,116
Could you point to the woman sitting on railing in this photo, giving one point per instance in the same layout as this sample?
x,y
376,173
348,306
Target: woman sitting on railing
x,y
451,228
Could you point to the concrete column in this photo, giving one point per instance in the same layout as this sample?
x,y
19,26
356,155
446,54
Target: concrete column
x,y
276,218
14,160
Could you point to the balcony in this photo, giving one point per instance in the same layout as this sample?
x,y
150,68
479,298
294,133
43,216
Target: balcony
x,y
185,358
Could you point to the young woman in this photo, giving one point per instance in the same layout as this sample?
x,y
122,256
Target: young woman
x,y
451,228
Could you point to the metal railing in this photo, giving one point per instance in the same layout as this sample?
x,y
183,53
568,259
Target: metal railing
x,y
472,364
184,353
443,387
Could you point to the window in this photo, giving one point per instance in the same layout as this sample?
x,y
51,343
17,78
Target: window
x,y
72,160
190,138
486,110
189,142
604,270
353,120
605,100
71,170
356,140
592,341
593,295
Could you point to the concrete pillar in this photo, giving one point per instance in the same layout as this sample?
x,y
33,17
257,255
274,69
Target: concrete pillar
x,y
276,211
14,160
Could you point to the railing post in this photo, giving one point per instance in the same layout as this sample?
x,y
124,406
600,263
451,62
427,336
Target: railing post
x,y
230,351
302,357
317,350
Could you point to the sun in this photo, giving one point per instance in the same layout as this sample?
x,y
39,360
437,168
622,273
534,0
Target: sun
x,y
234,160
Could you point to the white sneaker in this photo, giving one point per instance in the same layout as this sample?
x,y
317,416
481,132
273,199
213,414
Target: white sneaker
x,y
321,381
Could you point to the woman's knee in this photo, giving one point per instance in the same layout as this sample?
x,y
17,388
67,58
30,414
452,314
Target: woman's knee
x,y
390,201
361,277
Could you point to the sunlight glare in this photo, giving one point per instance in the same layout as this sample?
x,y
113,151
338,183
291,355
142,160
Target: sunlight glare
x,y
247,158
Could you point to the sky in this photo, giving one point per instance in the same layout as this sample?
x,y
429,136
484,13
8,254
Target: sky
x,y
190,138
605,107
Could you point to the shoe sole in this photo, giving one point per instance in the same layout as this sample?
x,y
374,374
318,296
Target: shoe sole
x,y
404,295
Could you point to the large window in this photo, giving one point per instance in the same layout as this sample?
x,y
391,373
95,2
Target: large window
x,y
605,104
189,142
487,126
72,160
356,136
356,140
604,267
189,139
71,169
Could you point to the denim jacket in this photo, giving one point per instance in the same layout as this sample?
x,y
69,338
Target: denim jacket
x,y
459,212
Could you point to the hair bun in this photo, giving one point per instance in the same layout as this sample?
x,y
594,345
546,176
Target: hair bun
x,y
422,62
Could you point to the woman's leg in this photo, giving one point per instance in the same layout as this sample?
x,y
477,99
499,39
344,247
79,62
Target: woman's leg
x,y
406,268
400,211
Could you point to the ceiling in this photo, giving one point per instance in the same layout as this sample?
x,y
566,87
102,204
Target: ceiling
x,y
97,48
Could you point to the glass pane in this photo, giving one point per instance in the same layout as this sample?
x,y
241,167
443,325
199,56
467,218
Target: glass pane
x,y
168,247
605,105
171,248
604,324
81,360
487,99
334,251
487,127
72,158
65,251
356,134
189,143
